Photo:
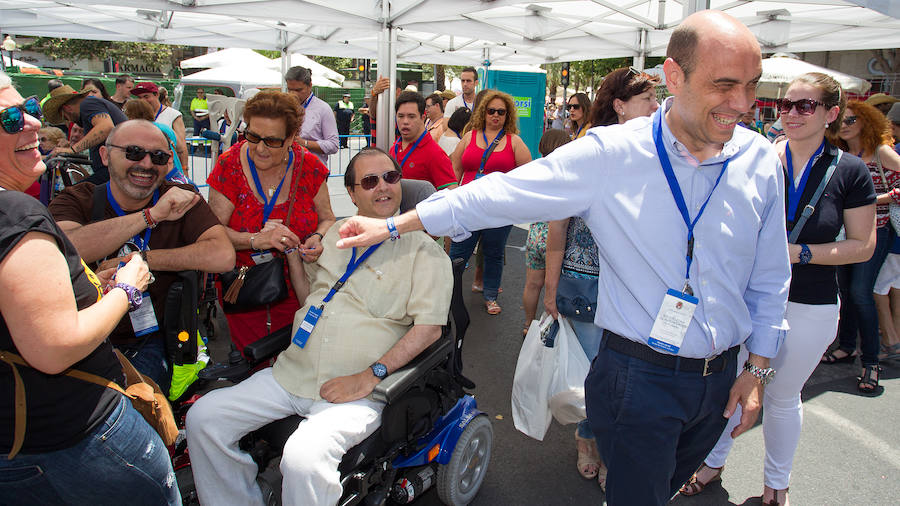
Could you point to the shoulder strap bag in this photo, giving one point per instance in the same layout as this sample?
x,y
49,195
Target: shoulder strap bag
x,y
811,206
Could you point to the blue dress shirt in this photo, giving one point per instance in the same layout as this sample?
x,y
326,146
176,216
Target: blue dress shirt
x,y
612,178
320,126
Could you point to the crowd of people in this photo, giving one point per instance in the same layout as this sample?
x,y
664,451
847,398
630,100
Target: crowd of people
x,y
670,220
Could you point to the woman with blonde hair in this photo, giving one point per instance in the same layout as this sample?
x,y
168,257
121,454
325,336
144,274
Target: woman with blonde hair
x,y
492,146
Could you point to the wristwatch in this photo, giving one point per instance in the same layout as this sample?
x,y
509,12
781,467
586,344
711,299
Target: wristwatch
x,y
135,297
805,254
763,375
379,370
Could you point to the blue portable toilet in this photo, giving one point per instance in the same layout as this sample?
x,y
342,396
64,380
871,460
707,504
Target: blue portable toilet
x,y
528,89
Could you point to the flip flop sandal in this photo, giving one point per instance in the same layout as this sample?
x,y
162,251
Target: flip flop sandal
x,y
492,307
889,352
831,358
695,486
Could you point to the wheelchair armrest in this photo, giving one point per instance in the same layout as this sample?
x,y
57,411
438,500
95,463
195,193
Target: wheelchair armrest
x,y
397,383
267,347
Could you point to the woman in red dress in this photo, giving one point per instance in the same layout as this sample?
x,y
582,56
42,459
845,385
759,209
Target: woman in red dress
x,y
250,187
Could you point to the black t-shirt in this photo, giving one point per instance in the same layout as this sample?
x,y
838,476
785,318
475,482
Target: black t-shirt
x,y
90,107
849,187
60,410
76,204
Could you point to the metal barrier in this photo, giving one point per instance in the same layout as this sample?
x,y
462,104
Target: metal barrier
x,y
200,155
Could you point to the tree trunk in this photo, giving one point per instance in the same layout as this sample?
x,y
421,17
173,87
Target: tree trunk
x,y
439,77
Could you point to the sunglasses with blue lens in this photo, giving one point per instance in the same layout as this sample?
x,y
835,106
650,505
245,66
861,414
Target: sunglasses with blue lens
x,y
13,118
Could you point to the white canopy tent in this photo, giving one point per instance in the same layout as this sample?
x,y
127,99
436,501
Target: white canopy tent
x,y
779,70
467,32
229,57
244,77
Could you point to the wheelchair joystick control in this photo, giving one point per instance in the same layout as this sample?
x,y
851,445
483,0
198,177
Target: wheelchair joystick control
x,y
235,357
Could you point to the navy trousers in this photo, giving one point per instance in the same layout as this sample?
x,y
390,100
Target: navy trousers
x,y
654,425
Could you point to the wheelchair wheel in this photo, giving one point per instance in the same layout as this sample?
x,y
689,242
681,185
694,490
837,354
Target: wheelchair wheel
x,y
460,479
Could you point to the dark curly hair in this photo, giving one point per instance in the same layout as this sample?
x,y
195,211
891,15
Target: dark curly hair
x,y
276,105
623,84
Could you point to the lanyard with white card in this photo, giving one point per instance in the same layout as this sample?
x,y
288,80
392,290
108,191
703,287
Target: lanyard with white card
x,y
312,316
678,307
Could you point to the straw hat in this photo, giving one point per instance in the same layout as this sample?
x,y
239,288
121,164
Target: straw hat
x,y
881,98
449,95
59,97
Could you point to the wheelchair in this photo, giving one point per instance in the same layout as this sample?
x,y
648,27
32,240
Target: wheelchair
x,y
63,170
432,433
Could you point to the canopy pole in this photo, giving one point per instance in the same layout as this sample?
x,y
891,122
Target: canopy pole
x,y
641,59
387,46
282,43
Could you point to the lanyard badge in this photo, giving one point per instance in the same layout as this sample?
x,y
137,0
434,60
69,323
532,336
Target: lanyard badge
x,y
677,308
142,242
305,329
410,152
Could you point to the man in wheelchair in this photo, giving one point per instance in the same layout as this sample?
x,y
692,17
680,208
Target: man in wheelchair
x,y
366,314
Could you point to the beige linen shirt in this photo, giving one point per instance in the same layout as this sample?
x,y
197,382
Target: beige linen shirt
x,y
403,283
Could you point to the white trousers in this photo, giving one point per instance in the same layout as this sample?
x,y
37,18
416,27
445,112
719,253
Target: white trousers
x,y
226,475
812,329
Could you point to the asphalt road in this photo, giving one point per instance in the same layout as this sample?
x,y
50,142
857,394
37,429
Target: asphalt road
x,y
849,452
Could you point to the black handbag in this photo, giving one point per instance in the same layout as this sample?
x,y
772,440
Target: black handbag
x,y
576,298
252,286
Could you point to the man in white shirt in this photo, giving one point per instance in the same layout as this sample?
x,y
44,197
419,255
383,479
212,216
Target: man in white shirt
x,y
469,80
318,133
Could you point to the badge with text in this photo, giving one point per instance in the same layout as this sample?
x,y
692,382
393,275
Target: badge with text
x,y
262,257
672,321
143,319
306,326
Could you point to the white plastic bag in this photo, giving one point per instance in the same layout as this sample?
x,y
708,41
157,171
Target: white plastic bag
x,y
535,373
567,391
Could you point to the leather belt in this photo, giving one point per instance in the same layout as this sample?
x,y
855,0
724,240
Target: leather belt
x,y
705,366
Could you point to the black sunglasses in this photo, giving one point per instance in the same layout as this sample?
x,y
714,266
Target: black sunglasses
x,y
574,106
371,181
272,142
13,118
849,120
491,111
137,153
805,106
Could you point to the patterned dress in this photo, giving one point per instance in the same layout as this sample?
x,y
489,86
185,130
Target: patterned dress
x,y
228,179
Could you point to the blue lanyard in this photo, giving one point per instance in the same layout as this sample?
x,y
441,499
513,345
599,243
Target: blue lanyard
x,y
467,105
159,111
141,243
268,205
354,263
579,130
408,153
794,193
679,197
305,104
487,151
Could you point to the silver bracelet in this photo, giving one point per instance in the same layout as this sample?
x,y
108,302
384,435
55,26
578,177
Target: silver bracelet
x,y
251,242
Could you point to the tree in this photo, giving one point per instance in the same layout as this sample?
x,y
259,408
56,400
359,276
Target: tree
x,y
439,77
156,55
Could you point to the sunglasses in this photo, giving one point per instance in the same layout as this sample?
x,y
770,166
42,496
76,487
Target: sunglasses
x,y
13,118
371,181
574,106
491,111
272,142
137,153
849,120
805,106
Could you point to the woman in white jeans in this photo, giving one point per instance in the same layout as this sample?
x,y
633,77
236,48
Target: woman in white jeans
x,y
810,113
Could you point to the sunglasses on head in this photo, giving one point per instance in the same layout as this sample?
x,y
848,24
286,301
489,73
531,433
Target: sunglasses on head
x,y
574,106
13,118
491,111
805,106
371,181
137,153
272,142
849,120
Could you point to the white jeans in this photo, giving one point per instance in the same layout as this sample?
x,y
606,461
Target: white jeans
x,y
226,475
812,329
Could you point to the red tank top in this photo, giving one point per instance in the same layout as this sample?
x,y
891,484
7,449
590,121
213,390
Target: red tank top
x,y
500,160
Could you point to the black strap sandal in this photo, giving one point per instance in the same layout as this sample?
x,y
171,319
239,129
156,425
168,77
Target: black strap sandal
x,y
831,358
868,382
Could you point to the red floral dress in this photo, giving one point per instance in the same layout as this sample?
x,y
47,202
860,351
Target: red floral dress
x,y
227,177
